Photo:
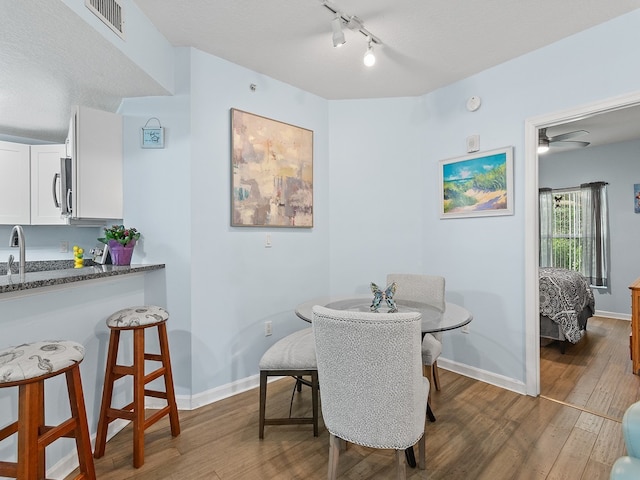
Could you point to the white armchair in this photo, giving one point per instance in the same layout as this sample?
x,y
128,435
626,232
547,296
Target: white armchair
x,y
373,392
426,289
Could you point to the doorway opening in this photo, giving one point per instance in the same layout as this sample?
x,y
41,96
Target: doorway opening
x,y
532,125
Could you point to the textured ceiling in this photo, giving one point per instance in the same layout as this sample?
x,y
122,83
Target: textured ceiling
x,y
50,59
426,43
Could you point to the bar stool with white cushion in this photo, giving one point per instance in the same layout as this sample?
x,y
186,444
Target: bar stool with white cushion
x,y
137,319
27,366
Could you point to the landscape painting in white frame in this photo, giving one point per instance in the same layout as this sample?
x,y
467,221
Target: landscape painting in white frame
x,y
477,185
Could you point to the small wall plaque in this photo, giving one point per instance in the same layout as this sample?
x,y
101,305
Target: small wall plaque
x,y
152,137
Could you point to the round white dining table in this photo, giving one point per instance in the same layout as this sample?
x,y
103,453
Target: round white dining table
x,y
433,320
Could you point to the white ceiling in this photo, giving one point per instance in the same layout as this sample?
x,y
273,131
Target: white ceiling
x,y
51,59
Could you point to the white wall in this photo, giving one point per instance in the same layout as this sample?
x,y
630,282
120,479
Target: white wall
x,y
616,164
223,282
484,257
375,201
377,191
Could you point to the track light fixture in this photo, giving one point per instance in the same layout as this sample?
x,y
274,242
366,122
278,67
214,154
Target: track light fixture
x,y
369,57
338,34
353,23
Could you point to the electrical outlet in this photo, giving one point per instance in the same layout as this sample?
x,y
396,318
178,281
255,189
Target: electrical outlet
x,y
465,328
64,247
268,328
267,241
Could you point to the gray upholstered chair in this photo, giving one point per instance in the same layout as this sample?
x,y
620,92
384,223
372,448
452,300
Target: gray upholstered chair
x,y
373,391
426,289
295,356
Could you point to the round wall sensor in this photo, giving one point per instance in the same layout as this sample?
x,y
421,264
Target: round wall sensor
x,y
473,103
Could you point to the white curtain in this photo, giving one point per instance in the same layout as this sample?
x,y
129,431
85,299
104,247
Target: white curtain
x,y
546,227
595,230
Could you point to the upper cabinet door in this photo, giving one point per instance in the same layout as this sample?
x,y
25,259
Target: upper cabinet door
x,y
45,183
14,184
96,144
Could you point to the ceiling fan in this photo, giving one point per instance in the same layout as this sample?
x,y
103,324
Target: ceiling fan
x,y
562,140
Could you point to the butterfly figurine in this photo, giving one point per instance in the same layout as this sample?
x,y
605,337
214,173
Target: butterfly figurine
x,y
380,295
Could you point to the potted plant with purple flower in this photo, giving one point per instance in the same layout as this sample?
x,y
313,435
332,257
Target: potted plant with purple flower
x,y
121,241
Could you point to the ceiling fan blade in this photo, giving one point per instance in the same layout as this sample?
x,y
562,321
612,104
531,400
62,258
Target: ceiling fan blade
x,y
567,136
569,143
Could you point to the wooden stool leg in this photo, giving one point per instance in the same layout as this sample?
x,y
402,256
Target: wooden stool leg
x,y
138,397
30,414
79,413
107,392
168,379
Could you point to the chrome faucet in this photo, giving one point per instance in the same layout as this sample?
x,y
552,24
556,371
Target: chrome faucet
x,y
17,240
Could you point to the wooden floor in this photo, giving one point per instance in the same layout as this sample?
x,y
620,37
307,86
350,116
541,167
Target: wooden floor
x,y
481,432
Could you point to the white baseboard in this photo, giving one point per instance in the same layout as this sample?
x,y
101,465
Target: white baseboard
x,y
186,402
483,375
618,316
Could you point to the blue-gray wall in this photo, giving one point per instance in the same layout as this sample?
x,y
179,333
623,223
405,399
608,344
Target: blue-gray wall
x,y
616,164
375,199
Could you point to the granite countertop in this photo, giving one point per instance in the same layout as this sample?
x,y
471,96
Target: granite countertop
x,y
59,272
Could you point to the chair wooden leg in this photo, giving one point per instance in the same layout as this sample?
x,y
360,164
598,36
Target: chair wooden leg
x,y
138,397
335,445
422,453
79,413
426,372
168,380
436,375
401,465
107,392
263,402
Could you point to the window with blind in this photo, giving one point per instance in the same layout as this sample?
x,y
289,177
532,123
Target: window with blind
x,y
574,230
567,230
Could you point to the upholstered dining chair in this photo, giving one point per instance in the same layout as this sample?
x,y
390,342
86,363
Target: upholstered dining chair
x,y
628,467
426,289
373,391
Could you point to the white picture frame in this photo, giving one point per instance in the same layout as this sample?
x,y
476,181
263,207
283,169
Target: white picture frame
x,y
477,185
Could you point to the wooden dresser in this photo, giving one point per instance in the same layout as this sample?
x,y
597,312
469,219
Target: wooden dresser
x,y
634,339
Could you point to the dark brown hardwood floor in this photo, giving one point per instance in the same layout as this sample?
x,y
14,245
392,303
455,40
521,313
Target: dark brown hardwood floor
x,y
482,432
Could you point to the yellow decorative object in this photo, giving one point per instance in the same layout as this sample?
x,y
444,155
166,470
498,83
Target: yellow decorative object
x,y
78,254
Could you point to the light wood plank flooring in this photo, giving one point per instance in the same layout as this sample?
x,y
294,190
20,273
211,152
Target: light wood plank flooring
x,y
481,432
594,374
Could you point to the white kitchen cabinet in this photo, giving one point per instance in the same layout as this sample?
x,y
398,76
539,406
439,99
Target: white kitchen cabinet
x,y
96,167
45,180
14,184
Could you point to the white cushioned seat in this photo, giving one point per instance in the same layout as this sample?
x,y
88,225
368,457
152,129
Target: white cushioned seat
x,y
295,356
296,351
37,359
431,349
137,316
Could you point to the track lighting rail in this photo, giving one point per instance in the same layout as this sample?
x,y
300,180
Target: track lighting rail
x,y
352,22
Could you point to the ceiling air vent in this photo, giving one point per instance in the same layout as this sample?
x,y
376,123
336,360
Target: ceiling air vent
x,y
110,12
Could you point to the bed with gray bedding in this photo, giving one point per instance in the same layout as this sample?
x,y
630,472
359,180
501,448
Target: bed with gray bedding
x,y
566,303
